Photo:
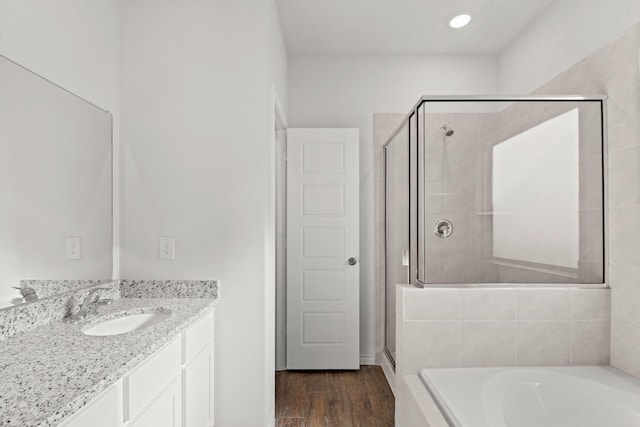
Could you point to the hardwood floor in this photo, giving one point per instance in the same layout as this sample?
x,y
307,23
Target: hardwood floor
x,y
334,398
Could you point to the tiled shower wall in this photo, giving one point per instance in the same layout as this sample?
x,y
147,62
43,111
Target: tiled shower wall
x,y
614,70
450,328
453,191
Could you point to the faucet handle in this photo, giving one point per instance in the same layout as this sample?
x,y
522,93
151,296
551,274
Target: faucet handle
x,y
92,297
96,290
28,293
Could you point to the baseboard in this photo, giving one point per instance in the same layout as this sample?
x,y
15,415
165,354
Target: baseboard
x,y
389,373
368,359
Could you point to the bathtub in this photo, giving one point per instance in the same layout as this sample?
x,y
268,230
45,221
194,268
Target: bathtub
x,y
593,396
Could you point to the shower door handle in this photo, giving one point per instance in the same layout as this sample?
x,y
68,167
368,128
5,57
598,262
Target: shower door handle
x,y
352,261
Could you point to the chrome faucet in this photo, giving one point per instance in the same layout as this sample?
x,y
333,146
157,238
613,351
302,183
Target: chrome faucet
x,y
89,304
28,294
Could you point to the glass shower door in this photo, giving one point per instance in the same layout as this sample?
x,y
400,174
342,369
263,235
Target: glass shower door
x,y
397,232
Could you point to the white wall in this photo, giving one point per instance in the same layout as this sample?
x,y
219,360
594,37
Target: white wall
x,y
566,32
345,91
75,44
197,87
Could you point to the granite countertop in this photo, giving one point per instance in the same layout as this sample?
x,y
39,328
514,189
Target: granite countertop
x,y
50,372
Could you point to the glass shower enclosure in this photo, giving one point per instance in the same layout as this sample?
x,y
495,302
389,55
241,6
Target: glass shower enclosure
x,y
494,191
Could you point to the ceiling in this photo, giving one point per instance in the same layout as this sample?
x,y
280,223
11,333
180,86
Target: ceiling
x,y
402,26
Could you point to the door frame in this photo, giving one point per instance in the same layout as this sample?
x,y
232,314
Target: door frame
x,y
279,123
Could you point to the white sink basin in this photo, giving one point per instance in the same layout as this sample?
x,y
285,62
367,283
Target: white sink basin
x,y
127,323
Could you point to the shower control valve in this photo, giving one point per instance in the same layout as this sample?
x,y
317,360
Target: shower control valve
x,y
443,229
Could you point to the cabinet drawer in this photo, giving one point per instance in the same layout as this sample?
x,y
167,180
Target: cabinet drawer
x,y
197,336
148,379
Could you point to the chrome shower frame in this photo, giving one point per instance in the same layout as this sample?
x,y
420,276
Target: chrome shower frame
x,y
413,202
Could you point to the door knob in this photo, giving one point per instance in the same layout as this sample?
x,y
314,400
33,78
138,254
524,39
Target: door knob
x,y
352,261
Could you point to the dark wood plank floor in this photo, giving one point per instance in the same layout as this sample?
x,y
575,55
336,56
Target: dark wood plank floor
x,y
334,398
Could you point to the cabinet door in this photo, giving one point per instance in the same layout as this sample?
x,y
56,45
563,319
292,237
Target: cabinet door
x,y
103,411
150,377
197,392
197,336
164,410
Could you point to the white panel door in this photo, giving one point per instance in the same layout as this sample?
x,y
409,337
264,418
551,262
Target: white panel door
x,y
323,321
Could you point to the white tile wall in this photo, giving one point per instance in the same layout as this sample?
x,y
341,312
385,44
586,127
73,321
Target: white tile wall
x,y
614,71
590,306
544,304
544,343
438,304
464,327
590,342
434,344
625,348
487,343
488,304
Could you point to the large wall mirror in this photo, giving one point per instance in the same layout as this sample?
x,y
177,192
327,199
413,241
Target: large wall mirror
x,y
55,181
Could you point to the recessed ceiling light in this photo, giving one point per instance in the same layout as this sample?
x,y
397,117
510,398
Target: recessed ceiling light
x,y
460,20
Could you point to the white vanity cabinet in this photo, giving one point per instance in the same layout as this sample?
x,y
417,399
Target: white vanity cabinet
x,y
152,381
163,411
103,411
173,387
197,374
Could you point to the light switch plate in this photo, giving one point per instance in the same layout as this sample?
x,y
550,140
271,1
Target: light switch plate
x,y
167,247
73,247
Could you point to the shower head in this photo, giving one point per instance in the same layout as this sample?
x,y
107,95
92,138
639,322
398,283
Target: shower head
x,y
446,129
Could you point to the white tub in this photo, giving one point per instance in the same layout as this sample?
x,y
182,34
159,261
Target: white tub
x,y
591,396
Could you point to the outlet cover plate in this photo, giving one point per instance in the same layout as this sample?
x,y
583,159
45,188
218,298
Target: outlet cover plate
x,y
167,247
